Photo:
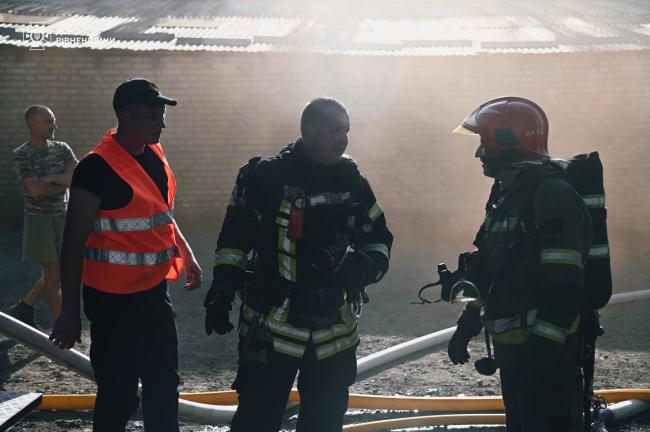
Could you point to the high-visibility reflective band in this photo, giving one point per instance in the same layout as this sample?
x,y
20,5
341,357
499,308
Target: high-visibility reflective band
x,y
561,256
337,346
129,258
232,257
281,313
287,267
334,331
508,224
540,328
599,251
285,206
549,331
375,211
555,333
288,348
276,320
286,255
288,330
285,244
325,198
514,336
594,201
282,221
376,247
502,325
134,224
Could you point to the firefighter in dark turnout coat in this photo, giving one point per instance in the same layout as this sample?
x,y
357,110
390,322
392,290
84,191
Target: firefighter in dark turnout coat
x,y
303,236
532,247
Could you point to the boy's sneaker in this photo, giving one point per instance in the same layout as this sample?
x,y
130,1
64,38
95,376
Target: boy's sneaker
x,y
23,312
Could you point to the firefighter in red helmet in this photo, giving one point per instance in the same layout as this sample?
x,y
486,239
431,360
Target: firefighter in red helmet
x,y
531,249
512,129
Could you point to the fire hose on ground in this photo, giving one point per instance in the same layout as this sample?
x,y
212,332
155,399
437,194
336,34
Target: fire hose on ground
x,y
195,409
614,413
356,401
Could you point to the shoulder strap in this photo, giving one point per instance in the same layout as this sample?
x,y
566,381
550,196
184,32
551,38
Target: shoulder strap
x,y
528,208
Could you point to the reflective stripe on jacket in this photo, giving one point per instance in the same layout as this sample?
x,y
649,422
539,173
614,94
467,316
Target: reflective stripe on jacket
x,y
132,248
292,341
515,330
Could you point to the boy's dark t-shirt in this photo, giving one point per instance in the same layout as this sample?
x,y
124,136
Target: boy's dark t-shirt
x,y
95,175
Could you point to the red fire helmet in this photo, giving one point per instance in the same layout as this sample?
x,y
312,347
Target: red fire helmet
x,y
512,129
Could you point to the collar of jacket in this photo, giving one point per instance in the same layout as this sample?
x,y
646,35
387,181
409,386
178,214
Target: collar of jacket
x,y
534,172
296,151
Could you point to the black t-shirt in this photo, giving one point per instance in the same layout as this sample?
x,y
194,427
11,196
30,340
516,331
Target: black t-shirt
x,y
95,175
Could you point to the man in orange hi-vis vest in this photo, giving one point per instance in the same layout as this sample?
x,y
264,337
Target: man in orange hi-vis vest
x,y
122,243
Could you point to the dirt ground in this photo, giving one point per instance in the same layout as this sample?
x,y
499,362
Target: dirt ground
x,y
209,363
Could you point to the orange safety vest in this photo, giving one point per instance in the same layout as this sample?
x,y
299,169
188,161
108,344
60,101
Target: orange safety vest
x,y
132,248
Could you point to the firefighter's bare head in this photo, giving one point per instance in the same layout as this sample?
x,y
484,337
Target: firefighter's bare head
x,y
324,125
41,122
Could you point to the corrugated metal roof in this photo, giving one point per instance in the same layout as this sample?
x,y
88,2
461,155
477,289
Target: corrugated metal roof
x,y
354,27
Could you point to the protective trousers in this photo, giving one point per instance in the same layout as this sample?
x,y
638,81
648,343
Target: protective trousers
x,y
323,386
542,400
133,337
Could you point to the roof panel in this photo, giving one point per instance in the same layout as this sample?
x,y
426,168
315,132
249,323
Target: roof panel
x,y
368,27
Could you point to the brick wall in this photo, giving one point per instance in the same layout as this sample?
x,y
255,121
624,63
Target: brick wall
x,y
233,106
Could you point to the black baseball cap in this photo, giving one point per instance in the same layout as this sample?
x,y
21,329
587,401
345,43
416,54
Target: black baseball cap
x,y
140,91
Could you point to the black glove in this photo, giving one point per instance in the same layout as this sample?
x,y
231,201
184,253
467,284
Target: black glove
x,y
352,275
217,304
344,267
457,348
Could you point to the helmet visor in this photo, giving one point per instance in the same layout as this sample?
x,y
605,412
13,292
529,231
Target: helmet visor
x,y
462,130
469,126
